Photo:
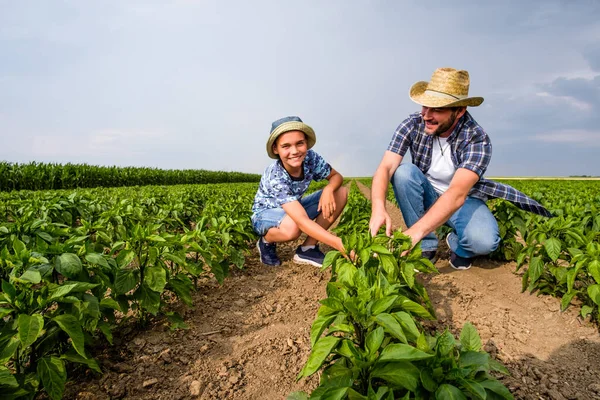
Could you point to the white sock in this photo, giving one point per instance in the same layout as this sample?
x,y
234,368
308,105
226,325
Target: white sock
x,y
305,248
264,240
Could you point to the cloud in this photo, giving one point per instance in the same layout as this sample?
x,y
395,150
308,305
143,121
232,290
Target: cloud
x,y
577,137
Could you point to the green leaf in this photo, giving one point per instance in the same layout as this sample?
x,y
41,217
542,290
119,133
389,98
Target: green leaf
x,y
345,273
427,380
148,298
402,352
51,371
125,258
401,373
553,247
30,328
72,327
30,276
536,267
586,310
330,258
391,326
107,302
379,249
156,238
9,346
156,278
318,327
76,358
566,299
474,388
95,258
497,387
319,353
593,269
126,280
469,338
7,379
408,325
67,287
382,305
445,343
449,392
374,340
474,359
594,293
68,264
182,286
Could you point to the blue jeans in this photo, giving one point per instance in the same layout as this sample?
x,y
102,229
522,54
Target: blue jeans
x,y
475,228
267,219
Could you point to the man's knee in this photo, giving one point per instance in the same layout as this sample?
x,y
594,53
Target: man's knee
x,y
405,174
481,243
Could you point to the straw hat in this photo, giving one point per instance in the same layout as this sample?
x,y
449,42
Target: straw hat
x,y
287,124
447,88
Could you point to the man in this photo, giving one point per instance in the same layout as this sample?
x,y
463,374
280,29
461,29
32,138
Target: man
x,y
445,184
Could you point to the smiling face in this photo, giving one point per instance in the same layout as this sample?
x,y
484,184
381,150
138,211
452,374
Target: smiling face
x,y
441,121
291,147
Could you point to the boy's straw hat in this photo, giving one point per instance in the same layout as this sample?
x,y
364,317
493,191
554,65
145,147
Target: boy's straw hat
x,y
287,124
447,88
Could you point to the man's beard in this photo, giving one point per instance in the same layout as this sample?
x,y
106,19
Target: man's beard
x,y
442,128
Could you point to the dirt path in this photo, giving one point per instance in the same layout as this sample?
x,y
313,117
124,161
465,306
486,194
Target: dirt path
x,y
249,338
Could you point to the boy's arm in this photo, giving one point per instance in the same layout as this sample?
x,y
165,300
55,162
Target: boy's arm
x,y
327,201
297,213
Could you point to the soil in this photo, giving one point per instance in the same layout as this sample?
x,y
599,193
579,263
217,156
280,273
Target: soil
x,y
249,338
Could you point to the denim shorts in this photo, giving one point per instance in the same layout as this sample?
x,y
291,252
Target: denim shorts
x,y
267,219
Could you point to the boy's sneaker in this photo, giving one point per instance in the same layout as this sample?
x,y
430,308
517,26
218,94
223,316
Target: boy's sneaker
x,y
456,261
431,255
268,253
312,256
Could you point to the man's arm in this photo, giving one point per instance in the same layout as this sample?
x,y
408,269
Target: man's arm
x,y
298,214
379,215
445,206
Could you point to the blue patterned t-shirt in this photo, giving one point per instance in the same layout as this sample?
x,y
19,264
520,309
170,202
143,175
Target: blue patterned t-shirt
x,y
277,186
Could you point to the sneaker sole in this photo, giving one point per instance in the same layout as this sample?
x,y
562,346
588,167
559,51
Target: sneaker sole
x,y
305,261
459,268
260,256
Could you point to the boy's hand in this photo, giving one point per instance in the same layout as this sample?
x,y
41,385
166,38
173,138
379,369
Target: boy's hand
x,y
327,202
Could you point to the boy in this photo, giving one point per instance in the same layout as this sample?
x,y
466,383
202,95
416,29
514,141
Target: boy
x,y
281,213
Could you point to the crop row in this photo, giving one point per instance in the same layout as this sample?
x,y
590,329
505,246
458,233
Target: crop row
x,y
74,265
368,339
46,176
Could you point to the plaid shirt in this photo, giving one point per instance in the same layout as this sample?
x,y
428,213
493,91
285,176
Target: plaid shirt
x,y
470,148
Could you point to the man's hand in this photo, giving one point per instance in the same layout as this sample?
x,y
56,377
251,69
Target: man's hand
x,y
415,238
379,218
327,202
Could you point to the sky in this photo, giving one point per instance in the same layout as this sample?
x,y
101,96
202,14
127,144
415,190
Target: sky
x,y
186,84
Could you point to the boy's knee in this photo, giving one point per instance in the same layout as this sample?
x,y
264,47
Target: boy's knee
x,y
292,234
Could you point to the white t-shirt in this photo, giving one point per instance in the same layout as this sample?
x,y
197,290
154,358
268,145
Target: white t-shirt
x,y
442,169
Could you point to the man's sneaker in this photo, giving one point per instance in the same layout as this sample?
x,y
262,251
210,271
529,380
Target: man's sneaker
x,y
268,253
431,255
458,262
312,256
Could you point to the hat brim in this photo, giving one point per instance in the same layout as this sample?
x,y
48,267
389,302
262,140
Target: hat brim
x,y
418,95
311,138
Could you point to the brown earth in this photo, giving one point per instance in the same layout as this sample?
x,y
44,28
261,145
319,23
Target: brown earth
x,y
249,338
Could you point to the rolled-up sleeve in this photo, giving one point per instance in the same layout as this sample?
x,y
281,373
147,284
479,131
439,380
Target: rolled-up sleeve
x,y
477,154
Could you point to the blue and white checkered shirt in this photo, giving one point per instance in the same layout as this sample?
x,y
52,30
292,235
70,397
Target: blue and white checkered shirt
x,y
471,149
